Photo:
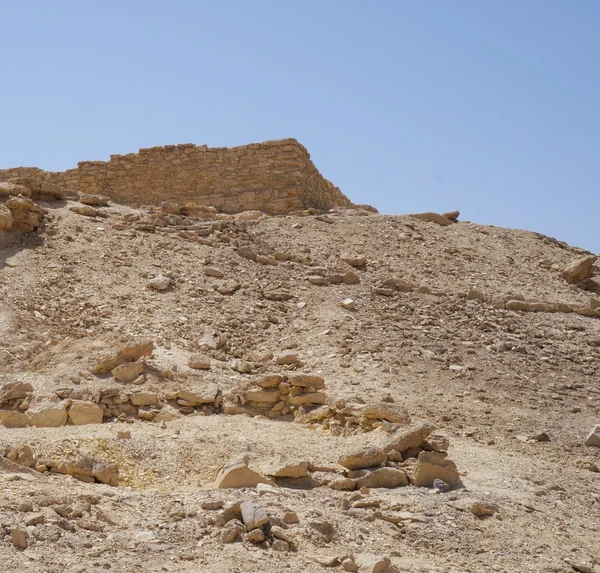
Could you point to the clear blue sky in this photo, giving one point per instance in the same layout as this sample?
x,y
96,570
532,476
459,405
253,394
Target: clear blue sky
x,y
490,107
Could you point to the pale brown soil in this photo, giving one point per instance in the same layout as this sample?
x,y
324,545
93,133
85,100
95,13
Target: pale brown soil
x,y
71,292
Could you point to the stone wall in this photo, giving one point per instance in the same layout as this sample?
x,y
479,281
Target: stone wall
x,y
274,176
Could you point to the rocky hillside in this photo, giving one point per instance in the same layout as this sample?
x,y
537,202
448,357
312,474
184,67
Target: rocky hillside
x,y
186,390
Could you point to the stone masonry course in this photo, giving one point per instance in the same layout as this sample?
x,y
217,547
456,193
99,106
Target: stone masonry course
x,y
276,177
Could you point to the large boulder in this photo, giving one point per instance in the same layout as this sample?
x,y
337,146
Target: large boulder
x,y
8,189
411,437
581,272
26,215
364,458
103,471
47,415
431,466
82,413
13,419
14,390
40,190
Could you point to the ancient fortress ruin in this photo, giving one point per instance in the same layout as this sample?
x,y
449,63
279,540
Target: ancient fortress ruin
x,y
275,176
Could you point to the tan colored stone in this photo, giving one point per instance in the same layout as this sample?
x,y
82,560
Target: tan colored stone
x,y
350,278
410,437
312,398
6,219
365,458
593,439
128,371
93,200
284,468
354,260
270,381
199,362
143,399
384,411
15,390
136,349
307,381
88,211
291,358
367,563
262,396
18,537
47,415
452,215
430,466
433,218
581,271
81,413
382,477
239,475
253,516
13,419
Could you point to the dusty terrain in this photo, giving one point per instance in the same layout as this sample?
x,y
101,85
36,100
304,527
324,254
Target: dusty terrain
x,y
516,392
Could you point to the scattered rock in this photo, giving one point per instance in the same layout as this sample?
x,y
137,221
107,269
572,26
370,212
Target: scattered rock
x,y
280,545
593,438
382,477
290,518
354,260
93,200
143,399
199,362
128,371
232,531
13,419
160,283
350,278
430,466
372,564
81,413
441,485
88,211
237,474
255,536
317,280
587,465
365,458
284,469
18,537
213,272
287,359
349,565
581,272
253,516
483,509
14,391
433,218
452,215
410,437
47,415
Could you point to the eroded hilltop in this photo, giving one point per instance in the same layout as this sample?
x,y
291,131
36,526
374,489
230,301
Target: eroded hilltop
x,y
320,390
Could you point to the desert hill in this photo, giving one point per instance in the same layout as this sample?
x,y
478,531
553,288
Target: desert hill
x,y
383,393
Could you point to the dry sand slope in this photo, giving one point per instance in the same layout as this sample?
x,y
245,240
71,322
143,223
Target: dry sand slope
x,y
329,354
